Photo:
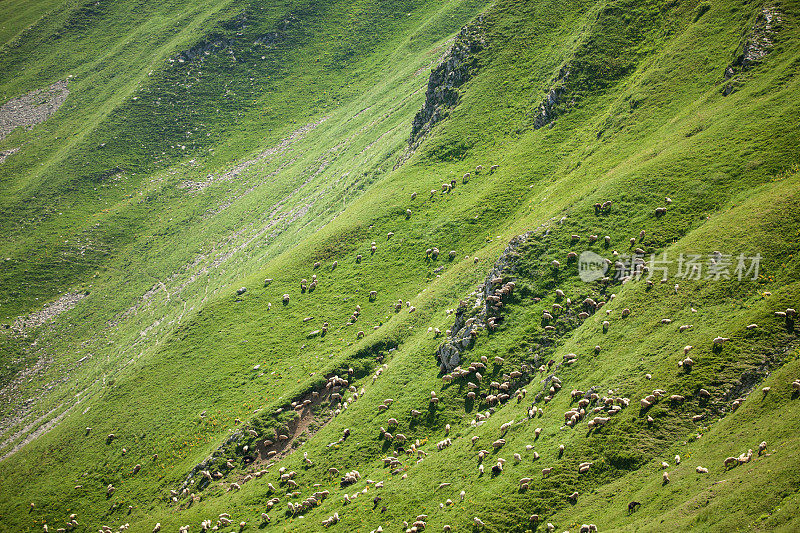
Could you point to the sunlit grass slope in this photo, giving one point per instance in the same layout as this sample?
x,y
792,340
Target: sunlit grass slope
x,y
179,360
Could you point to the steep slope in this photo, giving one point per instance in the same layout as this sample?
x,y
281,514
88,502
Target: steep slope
x,y
604,119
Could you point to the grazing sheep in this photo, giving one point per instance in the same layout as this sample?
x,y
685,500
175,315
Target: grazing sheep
x,y
745,457
546,471
478,522
497,469
701,470
665,478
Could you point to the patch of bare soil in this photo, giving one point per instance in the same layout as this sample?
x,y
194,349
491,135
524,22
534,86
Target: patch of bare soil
x,y
300,426
32,108
313,416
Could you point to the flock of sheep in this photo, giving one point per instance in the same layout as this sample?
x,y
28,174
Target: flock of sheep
x,y
591,407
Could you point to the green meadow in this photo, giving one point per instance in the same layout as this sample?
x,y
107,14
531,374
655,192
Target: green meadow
x,y
225,213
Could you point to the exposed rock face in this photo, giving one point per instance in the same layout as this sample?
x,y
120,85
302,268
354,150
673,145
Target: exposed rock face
x,y
454,71
488,300
755,47
547,109
761,39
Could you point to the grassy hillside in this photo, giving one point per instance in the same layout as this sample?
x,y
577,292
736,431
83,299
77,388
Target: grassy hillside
x,y
208,148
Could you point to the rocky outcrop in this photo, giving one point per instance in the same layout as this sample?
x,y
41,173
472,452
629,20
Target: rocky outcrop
x,y
486,309
457,67
548,108
759,42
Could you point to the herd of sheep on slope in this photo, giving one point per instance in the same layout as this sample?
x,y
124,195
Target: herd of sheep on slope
x,y
591,407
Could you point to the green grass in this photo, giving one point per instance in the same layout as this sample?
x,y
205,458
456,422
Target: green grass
x,y
165,337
